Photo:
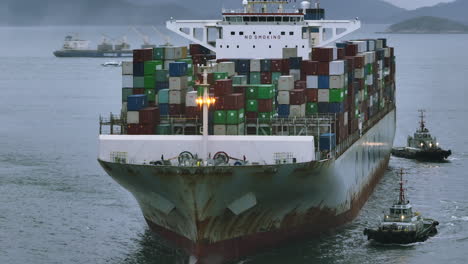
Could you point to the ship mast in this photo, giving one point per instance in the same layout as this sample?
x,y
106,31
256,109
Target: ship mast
x,y
402,199
422,123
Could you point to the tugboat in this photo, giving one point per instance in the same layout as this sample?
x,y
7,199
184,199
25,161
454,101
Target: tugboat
x,y
422,146
401,225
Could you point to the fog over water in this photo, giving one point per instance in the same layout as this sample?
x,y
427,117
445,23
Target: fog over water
x,y
58,206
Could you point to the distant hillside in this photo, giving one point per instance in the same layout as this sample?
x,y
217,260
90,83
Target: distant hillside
x,y
457,10
86,12
125,12
428,24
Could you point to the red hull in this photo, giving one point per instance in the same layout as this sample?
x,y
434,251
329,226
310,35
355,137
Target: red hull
x,y
318,221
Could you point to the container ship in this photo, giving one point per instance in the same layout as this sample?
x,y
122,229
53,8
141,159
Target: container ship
x,y
76,47
267,128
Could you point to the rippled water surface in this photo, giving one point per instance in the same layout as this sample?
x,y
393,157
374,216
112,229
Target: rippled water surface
x,y
58,206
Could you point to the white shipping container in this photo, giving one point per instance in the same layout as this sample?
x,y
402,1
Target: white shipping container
x,y
127,81
133,117
337,81
297,110
124,107
219,130
235,130
362,46
167,62
286,83
371,45
296,73
127,67
337,67
371,100
387,52
283,97
289,53
191,98
312,81
229,67
359,73
255,65
178,83
346,118
379,44
370,79
176,97
323,95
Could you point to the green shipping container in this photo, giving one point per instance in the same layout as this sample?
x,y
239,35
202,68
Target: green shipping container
x,y
161,75
311,108
220,75
163,129
255,78
241,113
232,117
336,95
251,93
138,82
239,80
200,91
219,117
264,117
158,53
125,93
152,66
252,106
150,82
275,77
150,95
266,91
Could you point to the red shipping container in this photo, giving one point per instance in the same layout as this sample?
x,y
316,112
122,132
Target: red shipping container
x,y
265,77
350,64
138,91
251,115
223,87
193,112
309,67
359,62
276,65
222,60
300,85
142,55
265,105
210,78
133,129
351,50
146,129
285,67
195,49
176,109
239,89
341,53
234,102
323,68
311,95
297,97
322,54
149,115
220,103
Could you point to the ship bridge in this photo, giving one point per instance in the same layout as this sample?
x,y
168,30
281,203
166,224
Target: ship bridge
x,y
264,32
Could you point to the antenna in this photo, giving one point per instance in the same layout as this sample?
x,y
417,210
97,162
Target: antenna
x,y
421,122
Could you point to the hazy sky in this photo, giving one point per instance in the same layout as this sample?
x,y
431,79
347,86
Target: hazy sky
x,y
412,4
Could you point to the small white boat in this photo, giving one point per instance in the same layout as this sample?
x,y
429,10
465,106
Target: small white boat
x,y
112,64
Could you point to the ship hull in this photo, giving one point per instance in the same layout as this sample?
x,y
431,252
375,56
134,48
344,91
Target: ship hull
x,y
218,214
93,54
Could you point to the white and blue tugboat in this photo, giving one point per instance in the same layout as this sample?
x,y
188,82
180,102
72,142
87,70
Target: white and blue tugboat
x,y
401,225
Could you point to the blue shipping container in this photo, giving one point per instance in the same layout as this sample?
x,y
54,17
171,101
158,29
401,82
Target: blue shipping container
x,y
138,69
163,109
265,65
136,102
323,108
283,110
324,82
336,107
178,69
295,63
327,141
163,96
161,85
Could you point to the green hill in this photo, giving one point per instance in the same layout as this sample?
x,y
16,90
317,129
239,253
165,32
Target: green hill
x,y
428,25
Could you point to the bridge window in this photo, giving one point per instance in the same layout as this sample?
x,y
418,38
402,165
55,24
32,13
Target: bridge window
x,y
269,46
283,33
269,32
246,19
262,19
291,33
237,46
285,19
233,33
254,46
241,33
278,19
227,46
254,19
254,33
270,19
